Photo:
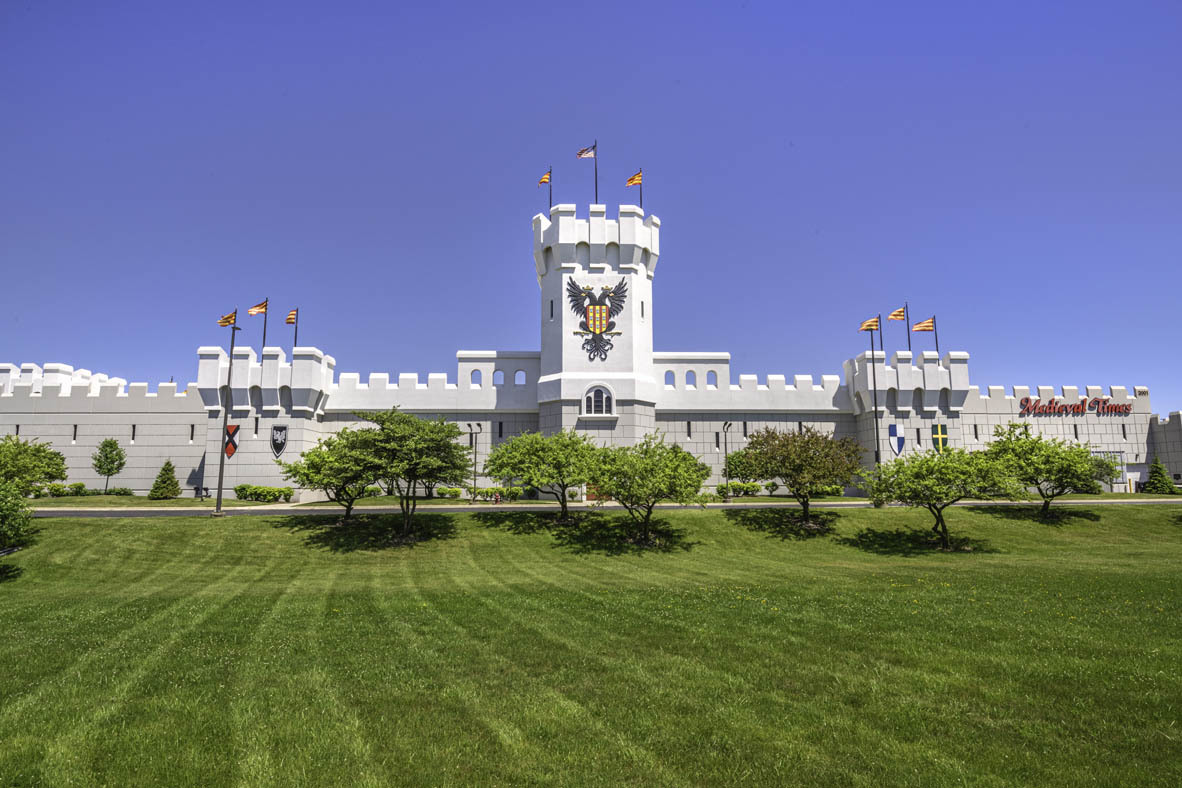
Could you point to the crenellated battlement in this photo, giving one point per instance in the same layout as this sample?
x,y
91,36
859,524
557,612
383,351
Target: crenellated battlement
x,y
62,388
597,244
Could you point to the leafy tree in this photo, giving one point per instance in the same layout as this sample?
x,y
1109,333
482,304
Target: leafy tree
x,y
15,516
641,476
108,460
809,462
935,480
1049,466
1159,482
166,485
741,466
341,466
29,464
553,464
409,452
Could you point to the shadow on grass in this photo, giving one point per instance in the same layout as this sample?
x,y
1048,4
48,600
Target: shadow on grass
x,y
517,522
9,572
368,532
596,532
910,542
1057,516
784,523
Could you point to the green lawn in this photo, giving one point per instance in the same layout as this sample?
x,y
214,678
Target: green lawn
x,y
130,501
392,501
497,650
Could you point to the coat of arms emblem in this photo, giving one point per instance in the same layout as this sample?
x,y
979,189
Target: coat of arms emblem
x,y
597,311
278,438
897,438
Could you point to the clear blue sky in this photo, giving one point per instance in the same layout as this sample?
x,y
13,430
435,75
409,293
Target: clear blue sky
x,y
1015,168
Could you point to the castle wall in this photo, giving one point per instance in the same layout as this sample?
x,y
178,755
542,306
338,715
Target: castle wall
x,y
1165,442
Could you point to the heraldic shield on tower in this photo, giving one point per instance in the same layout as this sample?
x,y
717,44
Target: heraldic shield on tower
x,y
597,313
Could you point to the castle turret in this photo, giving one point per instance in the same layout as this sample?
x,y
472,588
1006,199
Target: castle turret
x,y
595,276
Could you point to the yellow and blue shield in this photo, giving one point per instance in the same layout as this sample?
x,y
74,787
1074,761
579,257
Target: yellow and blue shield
x,y
939,437
597,318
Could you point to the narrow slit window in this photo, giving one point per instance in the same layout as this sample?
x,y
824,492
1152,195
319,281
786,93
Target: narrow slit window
x,y
716,441
192,432
976,437
256,426
551,308
1123,432
588,410
744,429
918,436
75,438
1075,429
689,429
18,429
800,427
500,429
133,433
642,310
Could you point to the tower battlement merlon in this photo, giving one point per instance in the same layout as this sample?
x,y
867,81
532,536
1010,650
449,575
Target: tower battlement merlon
x,y
597,244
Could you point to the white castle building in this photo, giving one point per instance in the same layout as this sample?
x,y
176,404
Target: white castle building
x,y
596,372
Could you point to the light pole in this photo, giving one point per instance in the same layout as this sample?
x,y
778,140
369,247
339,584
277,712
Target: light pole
x,y
226,408
472,433
726,428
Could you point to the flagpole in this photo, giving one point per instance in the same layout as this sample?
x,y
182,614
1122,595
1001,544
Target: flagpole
x,y
874,376
266,311
229,403
936,332
642,188
296,342
907,324
880,333
550,185
595,145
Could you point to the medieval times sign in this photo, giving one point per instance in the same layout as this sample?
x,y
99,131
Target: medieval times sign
x,y
1053,407
597,313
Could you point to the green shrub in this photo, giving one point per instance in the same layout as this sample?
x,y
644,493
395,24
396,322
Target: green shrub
x,y
513,493
77,488
255,492
166,486
1159,482
772,487
723,489
751,488
372,492
832,490
120,491
572,495
56,490
16,518
241,491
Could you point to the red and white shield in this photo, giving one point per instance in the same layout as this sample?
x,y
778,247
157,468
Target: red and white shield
x,y
597,318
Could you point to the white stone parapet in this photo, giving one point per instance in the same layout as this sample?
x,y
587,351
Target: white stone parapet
x,y
630,243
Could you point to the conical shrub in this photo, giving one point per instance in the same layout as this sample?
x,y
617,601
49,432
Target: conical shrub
x,y
166,485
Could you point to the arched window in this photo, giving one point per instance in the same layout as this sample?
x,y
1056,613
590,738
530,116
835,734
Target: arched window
x,y
670,379
475,379
499,377
691,379
711,379
519,377
597,402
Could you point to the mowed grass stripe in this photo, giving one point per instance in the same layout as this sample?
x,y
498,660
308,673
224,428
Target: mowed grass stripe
x,y
1049,655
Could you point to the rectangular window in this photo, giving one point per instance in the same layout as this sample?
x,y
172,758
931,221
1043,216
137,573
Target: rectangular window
x,y
75,438
1075,429
133,433
918,436
18,429
500,429
1124,433
642,310
256,426
976,437
744,429
192,432
800,427
551,308
471,440
689,429
716,440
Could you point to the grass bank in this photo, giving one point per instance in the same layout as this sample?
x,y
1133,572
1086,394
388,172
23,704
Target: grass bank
x,y
499,648
131,501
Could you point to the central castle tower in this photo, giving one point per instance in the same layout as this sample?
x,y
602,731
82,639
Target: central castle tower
x,y
596,315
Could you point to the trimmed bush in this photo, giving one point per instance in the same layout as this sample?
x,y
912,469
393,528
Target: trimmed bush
x,y
372,492
771,487
166,486
120,491
77,488
513,493
255,492
57,490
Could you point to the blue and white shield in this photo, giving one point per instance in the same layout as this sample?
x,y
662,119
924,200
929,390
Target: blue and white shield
x,y
897,438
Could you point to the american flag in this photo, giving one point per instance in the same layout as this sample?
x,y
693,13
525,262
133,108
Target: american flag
x,y
586,153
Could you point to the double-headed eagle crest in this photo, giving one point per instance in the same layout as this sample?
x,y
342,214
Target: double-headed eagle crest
x,y
597,312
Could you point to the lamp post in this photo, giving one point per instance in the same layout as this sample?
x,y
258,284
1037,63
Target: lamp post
x,y
726,428
226,408
472,433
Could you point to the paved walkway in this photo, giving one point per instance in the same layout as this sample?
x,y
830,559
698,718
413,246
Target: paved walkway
x,y
290,509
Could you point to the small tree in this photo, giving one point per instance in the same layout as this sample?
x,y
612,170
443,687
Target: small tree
x,y
1159,482
108,460
166,485
1048,466
552,464
641,476
29,464
15,516
741,466
410,452
341,466
936,480
808,461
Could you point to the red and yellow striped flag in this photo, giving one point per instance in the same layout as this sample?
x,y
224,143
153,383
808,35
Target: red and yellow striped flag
x,y
545,178
228,320
925,325
259,309
292,316
636,179
869,325
898,314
